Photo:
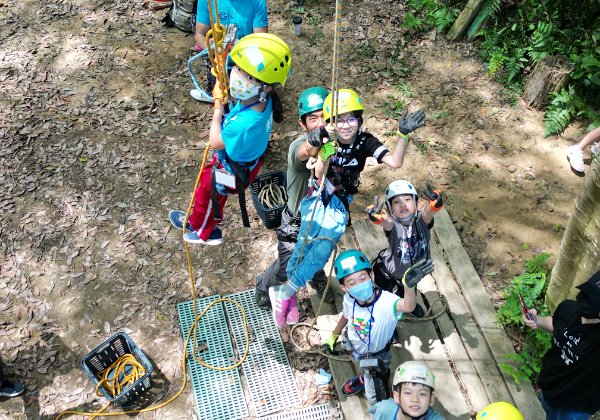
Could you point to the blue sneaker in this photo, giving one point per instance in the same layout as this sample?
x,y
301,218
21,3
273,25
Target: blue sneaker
x,y
177,217
215,238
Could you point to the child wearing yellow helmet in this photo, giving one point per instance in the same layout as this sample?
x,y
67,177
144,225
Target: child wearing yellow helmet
x,y
354,146
500,411
239,138
414,395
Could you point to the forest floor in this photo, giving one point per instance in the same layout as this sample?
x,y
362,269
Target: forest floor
x,y
100,139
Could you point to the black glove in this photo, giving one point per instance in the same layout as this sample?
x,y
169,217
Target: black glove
x,y
416,272
435,197
408,124
374,211
317,136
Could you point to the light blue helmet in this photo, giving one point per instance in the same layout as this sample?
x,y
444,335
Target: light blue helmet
x,y
349,262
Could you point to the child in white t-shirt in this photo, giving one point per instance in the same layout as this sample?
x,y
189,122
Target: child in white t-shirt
x,y
371,316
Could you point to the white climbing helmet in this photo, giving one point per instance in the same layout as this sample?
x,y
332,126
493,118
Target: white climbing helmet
x,y
415,372
399,187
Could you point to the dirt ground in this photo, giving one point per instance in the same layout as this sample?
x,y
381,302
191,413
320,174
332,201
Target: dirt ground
x,y
100,139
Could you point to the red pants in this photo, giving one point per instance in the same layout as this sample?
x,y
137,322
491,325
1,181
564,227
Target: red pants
x,y
202,218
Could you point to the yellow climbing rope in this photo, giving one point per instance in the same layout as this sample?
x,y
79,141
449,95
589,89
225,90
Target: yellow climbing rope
x,y
217,52
122,373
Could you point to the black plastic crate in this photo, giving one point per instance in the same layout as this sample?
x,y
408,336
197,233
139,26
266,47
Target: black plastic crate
x,y
270,217
106,354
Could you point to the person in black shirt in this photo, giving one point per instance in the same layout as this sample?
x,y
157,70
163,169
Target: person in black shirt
x,y
570,374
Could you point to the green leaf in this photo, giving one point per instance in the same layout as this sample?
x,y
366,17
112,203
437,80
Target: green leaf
x,y
525,246
557,227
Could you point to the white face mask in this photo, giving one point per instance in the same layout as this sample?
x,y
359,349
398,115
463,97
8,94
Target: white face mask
x,y
241,88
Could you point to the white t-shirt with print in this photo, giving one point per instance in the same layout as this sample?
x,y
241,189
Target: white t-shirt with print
x,y
380,319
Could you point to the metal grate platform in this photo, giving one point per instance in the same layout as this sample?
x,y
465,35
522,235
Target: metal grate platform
x,y
267,369
316,412
218,394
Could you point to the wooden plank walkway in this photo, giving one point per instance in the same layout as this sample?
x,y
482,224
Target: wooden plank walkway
x,y
462,347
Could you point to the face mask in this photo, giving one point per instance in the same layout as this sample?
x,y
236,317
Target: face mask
x,y
362,291
241,88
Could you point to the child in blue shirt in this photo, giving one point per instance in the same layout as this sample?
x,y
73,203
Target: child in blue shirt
x,y
249,16
414,395
262,61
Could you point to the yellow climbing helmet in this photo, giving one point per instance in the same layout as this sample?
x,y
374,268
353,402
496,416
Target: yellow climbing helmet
x,y
263,56
348,101
500,411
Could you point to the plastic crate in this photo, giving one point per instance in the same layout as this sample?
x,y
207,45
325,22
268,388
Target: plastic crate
x,y
105,354
270,217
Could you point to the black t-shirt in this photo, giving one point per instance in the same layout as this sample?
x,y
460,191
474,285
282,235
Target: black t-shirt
x,y
570,375
349,161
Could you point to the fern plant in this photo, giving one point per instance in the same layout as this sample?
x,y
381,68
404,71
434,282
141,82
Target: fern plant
x,y
444,18
520,34
490,8
531,285
560,112
411,22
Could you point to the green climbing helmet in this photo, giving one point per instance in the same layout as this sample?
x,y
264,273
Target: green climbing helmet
x,y
349,262
311,100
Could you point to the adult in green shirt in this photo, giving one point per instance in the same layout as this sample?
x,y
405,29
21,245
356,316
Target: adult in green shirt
x,y
310,113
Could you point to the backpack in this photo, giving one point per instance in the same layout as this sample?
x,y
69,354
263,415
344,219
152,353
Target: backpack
x,y
182,15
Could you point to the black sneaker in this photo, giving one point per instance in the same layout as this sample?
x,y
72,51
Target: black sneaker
x,y
262,300
11,389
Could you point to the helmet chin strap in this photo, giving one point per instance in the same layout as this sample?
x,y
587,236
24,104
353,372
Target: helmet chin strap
x,y
411,417
263,94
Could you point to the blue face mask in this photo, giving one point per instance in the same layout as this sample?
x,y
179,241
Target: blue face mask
x,y
362,291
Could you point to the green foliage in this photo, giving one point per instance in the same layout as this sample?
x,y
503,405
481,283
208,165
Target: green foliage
x,y
444,18
520,34
424,15
365,50
529,359
314,18
443,114
393,108
531,285
411,22
421,146
404,90
316,38
490,8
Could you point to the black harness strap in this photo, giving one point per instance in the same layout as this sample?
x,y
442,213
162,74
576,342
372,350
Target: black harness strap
x,y
242,180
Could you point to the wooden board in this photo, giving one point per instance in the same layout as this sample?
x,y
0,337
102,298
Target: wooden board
x,y
419,340
471,356
480,306
468,378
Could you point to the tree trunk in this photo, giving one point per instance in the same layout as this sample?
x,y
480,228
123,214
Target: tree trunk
x,y
550,74
579,255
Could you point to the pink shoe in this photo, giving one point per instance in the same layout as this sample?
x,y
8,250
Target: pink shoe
x,y
293,316
279,305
